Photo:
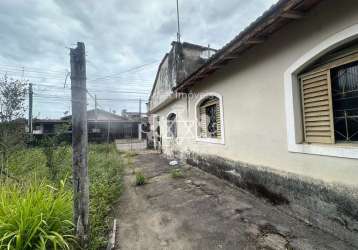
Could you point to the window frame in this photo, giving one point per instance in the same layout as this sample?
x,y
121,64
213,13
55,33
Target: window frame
x,y
198,102
292,94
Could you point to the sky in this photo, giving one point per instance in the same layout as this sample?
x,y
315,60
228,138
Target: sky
x,y
125,41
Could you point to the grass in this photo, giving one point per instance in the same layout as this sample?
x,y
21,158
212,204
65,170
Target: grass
x,y
176,173
105,174
36,216
139,179
105,169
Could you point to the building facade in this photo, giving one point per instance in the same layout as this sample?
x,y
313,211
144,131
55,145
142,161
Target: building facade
x,y
276,110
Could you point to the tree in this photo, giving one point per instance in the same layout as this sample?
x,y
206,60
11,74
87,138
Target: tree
x,y
12,99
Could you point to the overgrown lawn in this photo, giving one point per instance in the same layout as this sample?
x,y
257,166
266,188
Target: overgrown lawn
x,y
38,188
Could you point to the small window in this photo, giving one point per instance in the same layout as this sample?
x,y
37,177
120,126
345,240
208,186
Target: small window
x,y
209,118
172,125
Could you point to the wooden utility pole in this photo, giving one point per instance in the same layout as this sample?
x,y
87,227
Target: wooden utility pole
x,y
30,108
79,144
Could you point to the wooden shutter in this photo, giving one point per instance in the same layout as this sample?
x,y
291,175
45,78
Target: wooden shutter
x,y
202,125
317,107
218,120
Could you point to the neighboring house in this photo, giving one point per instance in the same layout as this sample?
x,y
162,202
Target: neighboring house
x,y
134,116
103,125
42,127
276,111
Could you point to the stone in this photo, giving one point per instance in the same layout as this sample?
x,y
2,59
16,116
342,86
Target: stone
x,y
253,231
188,181
242,207
266,227
300,244
163,243
273,242
282,230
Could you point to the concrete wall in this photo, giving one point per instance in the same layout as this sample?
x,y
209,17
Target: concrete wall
x,y
180,62
164,83
252,89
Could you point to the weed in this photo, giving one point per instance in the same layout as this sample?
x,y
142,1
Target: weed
x,y
176,173
139,179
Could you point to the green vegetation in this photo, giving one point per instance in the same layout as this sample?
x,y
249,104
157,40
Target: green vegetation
x,y
176,173
49,219
139,178
105,170
36,216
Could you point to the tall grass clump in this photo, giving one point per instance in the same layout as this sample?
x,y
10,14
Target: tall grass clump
x,y
105,172
35,216
139,179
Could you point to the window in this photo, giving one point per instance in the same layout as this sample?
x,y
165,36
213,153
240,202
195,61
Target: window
x,y
210,118
330,100
172,125
345,102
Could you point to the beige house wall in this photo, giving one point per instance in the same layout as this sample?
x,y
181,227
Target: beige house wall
x,y
252,90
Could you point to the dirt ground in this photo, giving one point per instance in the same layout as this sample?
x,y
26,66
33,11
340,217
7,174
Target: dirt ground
x,y
201,211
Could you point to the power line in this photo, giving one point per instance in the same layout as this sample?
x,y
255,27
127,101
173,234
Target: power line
x,y
33,68
118,99
112,90
123,72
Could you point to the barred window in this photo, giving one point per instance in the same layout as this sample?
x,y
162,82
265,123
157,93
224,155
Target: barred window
x,y
345,102
209,118
330,100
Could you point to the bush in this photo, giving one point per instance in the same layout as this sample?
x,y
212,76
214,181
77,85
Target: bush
x,y
176,173
35,217
139,179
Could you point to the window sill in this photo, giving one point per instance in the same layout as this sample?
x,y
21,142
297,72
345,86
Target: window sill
x,y
211,140
343,150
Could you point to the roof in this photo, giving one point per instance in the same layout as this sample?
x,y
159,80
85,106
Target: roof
x,y
195,46
279,15
48,121
101,115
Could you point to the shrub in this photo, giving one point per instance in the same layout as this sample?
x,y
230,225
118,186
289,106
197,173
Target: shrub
x,y
35,216
176,173
139,179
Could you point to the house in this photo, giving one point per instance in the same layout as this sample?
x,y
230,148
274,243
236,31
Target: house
x,y
134,116
103,126
44,127
275,111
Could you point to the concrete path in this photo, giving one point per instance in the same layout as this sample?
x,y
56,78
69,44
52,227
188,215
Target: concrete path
x,y
201,211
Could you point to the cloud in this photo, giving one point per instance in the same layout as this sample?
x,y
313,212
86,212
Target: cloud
x,y
118,34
